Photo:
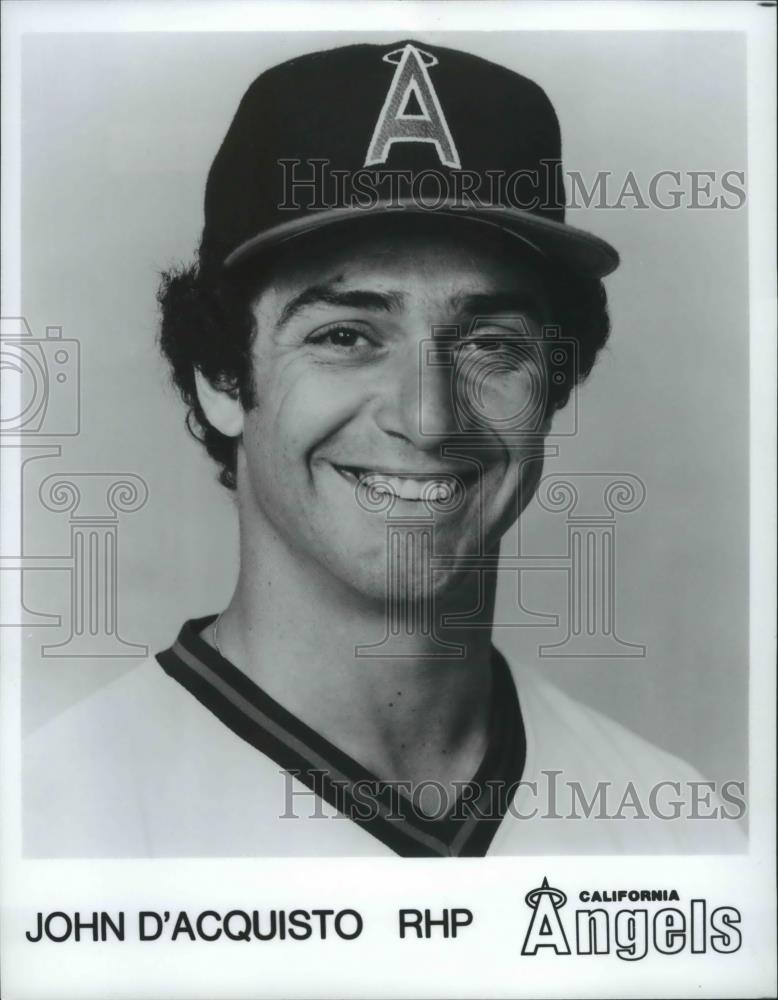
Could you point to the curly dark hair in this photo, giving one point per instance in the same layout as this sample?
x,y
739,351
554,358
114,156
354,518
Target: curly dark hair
x,y
207,325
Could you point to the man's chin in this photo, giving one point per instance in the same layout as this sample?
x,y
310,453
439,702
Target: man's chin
x,y
408,564
403,585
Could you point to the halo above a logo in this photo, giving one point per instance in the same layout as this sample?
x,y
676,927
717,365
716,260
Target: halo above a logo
x,y
396,56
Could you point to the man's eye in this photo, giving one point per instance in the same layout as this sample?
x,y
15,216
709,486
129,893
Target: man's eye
x,y
483,344
345,337
492,345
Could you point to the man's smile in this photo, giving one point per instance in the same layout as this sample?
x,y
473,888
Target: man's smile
x,y
440,487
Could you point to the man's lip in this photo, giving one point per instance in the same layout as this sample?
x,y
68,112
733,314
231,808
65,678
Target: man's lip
x,y
437,488
360,471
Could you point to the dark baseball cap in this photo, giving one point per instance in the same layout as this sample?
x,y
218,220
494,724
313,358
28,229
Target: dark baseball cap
x,y
404,127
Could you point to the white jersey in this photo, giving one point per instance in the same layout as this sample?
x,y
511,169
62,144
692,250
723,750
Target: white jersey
x,y
148,767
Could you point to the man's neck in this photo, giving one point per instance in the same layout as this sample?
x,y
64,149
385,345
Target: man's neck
x,y
411,712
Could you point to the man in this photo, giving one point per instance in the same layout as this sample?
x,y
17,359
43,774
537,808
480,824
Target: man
x,y
366,346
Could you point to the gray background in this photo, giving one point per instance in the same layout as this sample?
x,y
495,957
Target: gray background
x,y
118,133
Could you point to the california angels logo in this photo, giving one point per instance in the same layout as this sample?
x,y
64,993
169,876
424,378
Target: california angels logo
x,y
411,87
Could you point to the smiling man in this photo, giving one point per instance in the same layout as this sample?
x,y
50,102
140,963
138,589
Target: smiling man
x,y
365,344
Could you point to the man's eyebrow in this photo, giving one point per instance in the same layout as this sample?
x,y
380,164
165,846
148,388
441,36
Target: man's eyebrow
x,y
485,304
328,295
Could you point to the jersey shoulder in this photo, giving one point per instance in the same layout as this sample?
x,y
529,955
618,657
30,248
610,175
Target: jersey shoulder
x,y
565,731
591,785
80,788
140,768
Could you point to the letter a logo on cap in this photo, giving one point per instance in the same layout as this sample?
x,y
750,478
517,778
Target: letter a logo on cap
x,y
426,123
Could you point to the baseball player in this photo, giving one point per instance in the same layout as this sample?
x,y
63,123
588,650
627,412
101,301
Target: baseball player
x,y
362,348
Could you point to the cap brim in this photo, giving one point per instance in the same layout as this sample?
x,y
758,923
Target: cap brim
x,y
556,240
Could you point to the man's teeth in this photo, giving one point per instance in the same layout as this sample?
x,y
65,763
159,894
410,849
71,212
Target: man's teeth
x,y
409,489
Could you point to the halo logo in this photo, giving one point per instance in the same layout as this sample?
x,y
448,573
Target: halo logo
x,y
545,928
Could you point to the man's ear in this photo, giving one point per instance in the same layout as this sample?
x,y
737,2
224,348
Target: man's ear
x,y
223,410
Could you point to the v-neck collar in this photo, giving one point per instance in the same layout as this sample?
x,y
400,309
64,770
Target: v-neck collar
x,y
380,807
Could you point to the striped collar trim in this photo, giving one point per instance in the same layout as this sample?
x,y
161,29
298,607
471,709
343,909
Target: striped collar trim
x,y
380,807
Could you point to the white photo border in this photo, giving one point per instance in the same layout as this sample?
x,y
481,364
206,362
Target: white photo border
x,y
487,961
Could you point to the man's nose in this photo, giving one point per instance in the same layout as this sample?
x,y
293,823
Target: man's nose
x,y
417,402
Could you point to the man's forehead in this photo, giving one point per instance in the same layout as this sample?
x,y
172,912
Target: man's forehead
x,y
403,267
